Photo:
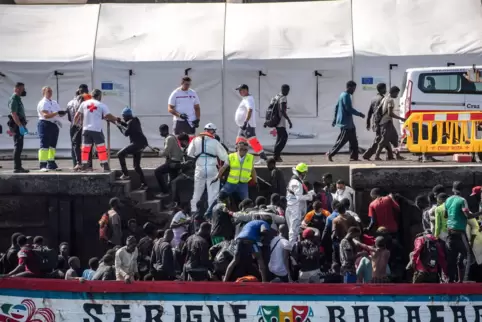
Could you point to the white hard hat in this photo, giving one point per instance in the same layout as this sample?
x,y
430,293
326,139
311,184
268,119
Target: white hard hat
x,y
210,126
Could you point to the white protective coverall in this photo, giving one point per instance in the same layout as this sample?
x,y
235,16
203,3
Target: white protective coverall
x,y
206,167
296,209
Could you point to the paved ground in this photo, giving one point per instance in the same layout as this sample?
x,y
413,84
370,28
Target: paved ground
x,y
289,160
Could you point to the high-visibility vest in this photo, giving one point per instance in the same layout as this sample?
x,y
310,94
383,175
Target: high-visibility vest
x,y
238,172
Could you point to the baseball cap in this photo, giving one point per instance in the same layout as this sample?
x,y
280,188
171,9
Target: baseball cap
x,y
242,86
476,190
308,233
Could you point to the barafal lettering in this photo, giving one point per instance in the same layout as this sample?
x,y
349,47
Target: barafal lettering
x,y
340,309
358,312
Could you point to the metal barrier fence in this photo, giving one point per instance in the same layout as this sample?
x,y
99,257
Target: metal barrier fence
x,y
454,132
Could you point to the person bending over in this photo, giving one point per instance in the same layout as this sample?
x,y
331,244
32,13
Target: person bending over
x,y
131,126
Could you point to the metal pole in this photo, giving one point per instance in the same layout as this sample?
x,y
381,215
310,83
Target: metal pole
x,y
108,143
317,74
390,74
130,94
260,73
57,74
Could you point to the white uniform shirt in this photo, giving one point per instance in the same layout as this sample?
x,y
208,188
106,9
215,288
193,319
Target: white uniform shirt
x,y
125,263
247,103
184,102
93,112
50,106
211,146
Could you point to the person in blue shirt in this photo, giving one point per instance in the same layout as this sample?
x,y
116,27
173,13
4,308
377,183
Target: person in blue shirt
x,y
326,240
247,245
344,112
88,274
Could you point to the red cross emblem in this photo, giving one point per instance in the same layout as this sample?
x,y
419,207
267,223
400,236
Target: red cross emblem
x,y
273,132
92,107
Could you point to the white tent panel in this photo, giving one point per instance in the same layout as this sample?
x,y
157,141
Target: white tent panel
x,y
296,40
414,39
407,28
160,32
47,33
34,46
290,30
150,41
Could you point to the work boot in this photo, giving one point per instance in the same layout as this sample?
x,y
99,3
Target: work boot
x,y
106,167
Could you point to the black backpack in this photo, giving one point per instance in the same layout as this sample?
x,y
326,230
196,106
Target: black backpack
x,y
273,113
47,259
378,114
429,254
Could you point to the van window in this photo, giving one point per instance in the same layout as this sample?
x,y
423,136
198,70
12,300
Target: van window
x,y
437,83
478,89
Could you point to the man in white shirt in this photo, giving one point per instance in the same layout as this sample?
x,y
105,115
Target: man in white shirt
x,y
206,150
343,191
126,261
48,129
183,104
278,264
93,112
245,118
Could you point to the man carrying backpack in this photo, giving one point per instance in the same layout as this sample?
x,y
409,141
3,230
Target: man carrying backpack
x,y
110,230
276,116
374,116
428,259
388,133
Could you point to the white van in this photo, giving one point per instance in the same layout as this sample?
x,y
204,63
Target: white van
x,y
444,89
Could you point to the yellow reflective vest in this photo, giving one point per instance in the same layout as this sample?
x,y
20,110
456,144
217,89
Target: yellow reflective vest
x,y
240,172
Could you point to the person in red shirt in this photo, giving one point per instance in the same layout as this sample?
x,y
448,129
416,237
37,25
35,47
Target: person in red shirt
x,y
27,264
384,212
427,273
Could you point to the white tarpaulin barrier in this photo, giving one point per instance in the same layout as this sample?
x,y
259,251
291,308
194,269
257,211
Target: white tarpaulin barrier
x,y
270,44
391,36
144,50
35,42
139,52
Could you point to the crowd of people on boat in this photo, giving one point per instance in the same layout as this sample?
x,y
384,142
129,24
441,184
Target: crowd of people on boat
x,y
434,239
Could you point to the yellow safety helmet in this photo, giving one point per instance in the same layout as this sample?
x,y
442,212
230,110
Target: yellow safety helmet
x,y
301,167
